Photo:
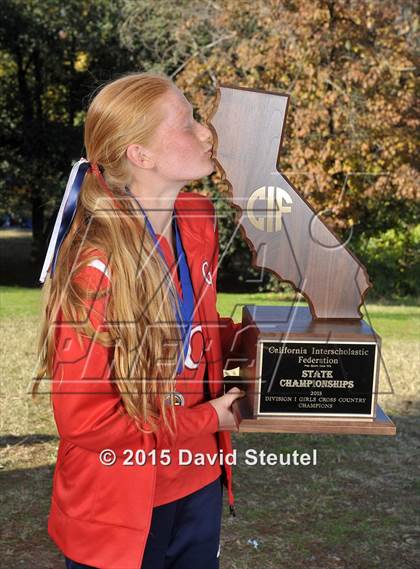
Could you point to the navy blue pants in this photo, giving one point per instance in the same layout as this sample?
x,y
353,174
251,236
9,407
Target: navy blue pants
x,y
184,533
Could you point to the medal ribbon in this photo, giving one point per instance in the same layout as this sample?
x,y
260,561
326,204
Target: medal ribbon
x,y
185,319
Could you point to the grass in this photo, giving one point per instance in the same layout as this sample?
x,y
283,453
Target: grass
x,y
19,302
357,508
391,322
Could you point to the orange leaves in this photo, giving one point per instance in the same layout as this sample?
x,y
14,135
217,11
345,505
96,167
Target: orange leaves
x,y
349,68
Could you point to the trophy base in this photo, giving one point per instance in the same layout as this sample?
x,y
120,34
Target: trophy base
x,y
246,422
308,375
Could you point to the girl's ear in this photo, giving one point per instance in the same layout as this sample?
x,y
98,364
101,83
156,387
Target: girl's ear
x,y
139,156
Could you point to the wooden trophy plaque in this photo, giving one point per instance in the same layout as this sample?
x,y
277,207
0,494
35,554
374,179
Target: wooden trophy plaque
x,y
305,370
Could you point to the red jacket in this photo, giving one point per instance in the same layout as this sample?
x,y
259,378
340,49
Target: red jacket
x,y
100,515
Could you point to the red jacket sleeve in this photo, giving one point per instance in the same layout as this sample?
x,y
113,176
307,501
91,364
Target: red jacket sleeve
x,y
230,336
191,422
88,408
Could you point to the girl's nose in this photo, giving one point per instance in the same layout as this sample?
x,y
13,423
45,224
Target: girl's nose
x,y
207,135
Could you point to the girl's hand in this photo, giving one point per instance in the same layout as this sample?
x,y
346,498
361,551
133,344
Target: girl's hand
x,y
223,408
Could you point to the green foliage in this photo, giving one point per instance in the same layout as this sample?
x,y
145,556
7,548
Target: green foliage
x,y
392,260
52,56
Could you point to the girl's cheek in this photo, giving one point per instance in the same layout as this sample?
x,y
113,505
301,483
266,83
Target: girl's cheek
x,y
187,149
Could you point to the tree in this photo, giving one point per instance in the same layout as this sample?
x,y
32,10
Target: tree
x,y
349,67
52,56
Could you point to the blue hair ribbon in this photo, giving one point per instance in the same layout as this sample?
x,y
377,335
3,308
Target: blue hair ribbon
x,y
65,215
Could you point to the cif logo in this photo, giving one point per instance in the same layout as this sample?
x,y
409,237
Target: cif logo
x,y
271,215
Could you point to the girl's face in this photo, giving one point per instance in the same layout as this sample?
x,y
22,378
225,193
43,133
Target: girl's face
x,y
181,148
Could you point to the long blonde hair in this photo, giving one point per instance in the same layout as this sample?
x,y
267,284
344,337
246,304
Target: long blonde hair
x,y
140,312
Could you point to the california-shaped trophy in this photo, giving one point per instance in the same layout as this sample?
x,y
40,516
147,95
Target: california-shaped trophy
x,y
308,368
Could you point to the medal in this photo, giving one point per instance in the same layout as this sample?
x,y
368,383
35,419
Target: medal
x,y
175,398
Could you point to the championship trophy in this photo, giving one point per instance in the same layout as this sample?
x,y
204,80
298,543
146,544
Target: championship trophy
x,y
306,369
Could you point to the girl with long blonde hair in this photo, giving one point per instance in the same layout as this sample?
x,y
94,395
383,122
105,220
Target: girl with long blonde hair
x,y
132,341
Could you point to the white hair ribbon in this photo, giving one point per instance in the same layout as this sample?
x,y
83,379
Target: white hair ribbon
x,y
65,215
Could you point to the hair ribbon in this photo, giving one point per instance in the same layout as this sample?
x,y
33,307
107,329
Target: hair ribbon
x,y
65,215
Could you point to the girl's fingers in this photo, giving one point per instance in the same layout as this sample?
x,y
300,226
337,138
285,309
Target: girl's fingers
x,y
234,393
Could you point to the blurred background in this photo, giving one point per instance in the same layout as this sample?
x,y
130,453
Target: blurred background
x,y
349,147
